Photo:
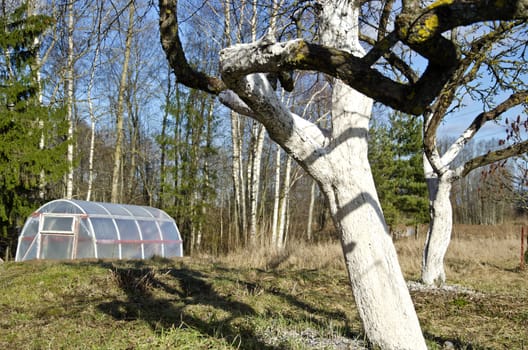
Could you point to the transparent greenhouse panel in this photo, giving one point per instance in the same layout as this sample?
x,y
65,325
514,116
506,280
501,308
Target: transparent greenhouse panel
x,y
152,249
130,239
56,246
85,241
151,235
139,212
33,250
172,239
107,250
60,207
28,234
106,238
116,209
93,208
173,250
158,214
57,224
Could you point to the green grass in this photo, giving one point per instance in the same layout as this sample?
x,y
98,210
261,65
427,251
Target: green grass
x,y
207,304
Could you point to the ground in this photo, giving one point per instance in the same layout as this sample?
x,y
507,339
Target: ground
x,y
296,300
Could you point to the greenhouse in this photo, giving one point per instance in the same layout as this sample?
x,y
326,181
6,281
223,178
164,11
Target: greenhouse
x,y
73,229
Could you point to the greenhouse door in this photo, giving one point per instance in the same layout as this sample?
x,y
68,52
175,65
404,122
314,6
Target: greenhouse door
x,y
57,236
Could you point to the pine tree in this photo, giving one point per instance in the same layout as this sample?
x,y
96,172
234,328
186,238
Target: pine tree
x,y
23,124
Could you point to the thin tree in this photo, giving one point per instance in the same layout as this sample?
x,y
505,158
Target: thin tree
x,y
120,109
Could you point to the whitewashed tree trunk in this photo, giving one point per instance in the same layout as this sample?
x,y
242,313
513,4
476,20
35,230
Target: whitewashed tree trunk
x,y
440,225
338,162
439,234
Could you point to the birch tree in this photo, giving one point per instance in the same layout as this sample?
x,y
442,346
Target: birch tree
x,y
120,108
337,158
69,88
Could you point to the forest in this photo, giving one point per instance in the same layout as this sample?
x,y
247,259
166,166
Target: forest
x,y
113,125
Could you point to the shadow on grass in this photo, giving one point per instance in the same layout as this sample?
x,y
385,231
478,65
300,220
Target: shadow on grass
x,y
163,304
185,297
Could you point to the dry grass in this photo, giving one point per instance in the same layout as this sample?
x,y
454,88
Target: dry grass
x,y
298,255
480,258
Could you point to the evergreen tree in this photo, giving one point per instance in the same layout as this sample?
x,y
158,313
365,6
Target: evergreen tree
x,y
382,162
411,196
31,135
395,153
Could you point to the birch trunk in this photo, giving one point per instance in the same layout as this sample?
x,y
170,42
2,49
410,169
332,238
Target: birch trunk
x,y
163,143
69,99
118,152
238,176
257,133
254,179
33,9
285,197
310,212
276,199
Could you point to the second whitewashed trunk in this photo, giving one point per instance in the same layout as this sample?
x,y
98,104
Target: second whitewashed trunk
x,y
440,227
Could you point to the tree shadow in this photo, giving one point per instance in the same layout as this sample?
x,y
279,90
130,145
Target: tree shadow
x,y
162,304
324,315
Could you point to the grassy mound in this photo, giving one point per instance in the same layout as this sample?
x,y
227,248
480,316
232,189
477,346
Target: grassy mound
x,y
299,299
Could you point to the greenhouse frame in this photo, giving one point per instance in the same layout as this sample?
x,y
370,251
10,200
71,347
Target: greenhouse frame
x,y
74,229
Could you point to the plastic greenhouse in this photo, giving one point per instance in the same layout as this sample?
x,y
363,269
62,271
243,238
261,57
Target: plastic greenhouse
x,y
73,229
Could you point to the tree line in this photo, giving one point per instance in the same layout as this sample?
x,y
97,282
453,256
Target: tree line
x,y
171,147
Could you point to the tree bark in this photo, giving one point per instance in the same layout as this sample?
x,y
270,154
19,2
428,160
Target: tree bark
x,y
256,147
69,98
118,153
309,221
238,177
284,204
276,199
440,226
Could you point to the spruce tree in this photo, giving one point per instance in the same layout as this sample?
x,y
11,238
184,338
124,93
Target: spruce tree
x,y
31,135
395,153
382,162
411,196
